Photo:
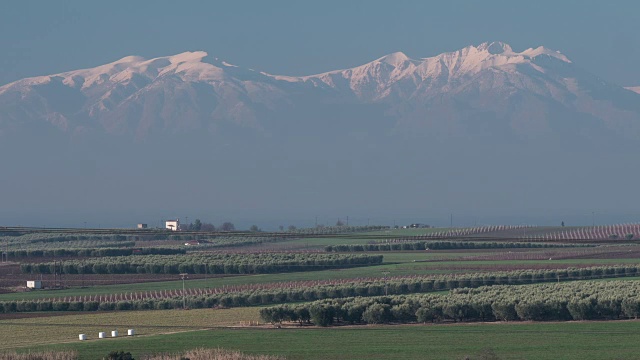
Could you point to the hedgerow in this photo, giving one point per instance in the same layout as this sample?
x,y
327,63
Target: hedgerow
x,y
541,302
201,263
290,292
94,252
439,245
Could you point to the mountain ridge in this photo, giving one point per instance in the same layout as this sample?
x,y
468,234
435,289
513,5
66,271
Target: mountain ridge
x,y
449,92
484,130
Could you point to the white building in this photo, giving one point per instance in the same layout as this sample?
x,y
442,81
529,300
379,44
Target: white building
x,y
173,225
35,284
142,226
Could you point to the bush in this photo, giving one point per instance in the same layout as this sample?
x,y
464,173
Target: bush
x,y
120,355
377,314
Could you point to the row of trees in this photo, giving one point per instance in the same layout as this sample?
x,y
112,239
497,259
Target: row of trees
x,y
338,229
355,288
198,225
237,241
437,245
95,252
59,240
543,302
202,263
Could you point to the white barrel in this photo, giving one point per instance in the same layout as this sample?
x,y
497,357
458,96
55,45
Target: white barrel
x,y
114,333
82,337
130,332
102,335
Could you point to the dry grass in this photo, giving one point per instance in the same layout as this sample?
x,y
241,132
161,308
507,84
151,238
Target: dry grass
x,y
16,333
211,354
49,355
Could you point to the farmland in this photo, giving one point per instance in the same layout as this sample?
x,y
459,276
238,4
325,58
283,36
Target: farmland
x,y
125,278
546,341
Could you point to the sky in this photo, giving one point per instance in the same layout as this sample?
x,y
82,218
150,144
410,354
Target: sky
x,y
309,37
306,37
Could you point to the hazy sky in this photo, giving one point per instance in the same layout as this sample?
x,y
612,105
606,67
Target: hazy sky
x,y
304,37
301,38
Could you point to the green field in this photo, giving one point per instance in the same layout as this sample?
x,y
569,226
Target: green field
x,y
574,340
396,263
179,330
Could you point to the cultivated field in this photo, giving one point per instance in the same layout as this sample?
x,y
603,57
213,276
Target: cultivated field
x,y
119,279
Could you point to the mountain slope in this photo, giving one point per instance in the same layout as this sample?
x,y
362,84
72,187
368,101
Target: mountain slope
x,y
489,87
138,96
635,89
478,90
485,129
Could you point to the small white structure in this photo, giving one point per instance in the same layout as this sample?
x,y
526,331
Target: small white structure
x,y
142,226
102,335
35,284
82,337
114,333
173,225
130,332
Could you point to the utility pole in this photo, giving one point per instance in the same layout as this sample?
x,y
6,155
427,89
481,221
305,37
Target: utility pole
x,y
451,221
347,221
184,299
386,284
593,218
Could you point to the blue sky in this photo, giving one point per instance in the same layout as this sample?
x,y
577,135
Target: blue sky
x,y
305,37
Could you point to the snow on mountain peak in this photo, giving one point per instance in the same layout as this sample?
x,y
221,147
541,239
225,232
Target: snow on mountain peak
x,y
129,59
496,47
635,89
541,50
195,56
394,59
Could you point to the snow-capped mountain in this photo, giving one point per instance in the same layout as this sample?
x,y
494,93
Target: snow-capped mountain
x,y
134,95
480,89
481,129
398,77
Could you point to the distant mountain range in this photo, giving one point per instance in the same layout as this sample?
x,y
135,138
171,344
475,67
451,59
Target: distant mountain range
x,y
478,90
482,131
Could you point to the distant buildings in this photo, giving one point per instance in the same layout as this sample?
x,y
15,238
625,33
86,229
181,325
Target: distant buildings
x,y
142,226
35,284
173,225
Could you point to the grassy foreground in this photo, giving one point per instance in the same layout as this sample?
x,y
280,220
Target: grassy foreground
x,y
573,340
58,329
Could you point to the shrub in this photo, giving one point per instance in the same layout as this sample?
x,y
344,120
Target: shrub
x,y
377,314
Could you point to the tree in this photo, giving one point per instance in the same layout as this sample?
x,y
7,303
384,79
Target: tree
x,y
292,228
197,225
377,314
207,227
227,226
254,228
339,223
